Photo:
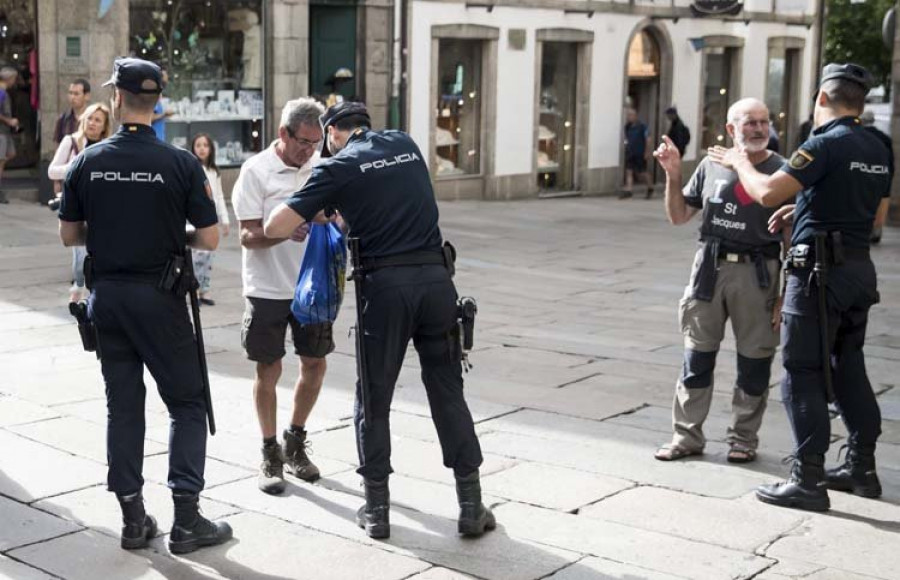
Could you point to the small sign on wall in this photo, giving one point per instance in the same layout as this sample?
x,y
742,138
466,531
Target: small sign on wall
x,y
716,7
516,38
74,52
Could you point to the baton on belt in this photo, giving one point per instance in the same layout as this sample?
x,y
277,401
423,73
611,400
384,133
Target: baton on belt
x,y
357,276
198,333
820,269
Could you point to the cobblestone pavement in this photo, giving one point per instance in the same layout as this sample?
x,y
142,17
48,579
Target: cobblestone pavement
x,y
578,352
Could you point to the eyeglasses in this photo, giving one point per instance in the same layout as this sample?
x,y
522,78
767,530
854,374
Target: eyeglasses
x,y
304,142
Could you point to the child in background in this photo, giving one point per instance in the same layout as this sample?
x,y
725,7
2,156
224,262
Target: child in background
x,y
205,151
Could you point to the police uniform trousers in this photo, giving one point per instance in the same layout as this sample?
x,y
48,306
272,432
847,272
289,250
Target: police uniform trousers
x,y
418,303
139,325
851,291
738,297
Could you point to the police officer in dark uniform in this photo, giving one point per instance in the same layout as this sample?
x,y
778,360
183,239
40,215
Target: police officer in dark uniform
x,y
128,199
839,177
379,183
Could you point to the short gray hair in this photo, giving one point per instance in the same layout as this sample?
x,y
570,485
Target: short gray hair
x,y
8,72
302,111
740,108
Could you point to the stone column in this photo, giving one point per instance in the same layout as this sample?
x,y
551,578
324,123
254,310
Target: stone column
x,y
103,40
376,28
288,56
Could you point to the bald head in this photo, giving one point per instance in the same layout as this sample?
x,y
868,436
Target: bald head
x,y
745,107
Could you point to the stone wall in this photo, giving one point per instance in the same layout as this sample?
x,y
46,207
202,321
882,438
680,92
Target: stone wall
x,y
104,39
287,56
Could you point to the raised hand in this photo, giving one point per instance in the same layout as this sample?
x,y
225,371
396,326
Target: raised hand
x,y
667,156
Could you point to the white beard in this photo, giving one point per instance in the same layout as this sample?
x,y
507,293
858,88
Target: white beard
x,y
742,143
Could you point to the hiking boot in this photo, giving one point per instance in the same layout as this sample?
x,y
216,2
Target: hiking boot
x,y
138,527
191,530
804,490
474,518
271,470
296,461
374,516
857,474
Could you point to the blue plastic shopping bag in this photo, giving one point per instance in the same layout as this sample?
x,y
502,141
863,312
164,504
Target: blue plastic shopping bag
x,y
320,287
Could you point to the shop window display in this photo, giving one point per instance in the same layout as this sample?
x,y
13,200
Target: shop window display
x,y
556,112
716,96
213,55
458,128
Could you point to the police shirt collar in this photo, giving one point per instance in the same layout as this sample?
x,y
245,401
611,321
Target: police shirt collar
x,y
848,120
135,128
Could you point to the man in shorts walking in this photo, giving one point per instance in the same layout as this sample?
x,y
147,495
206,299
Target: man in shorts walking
x,y
270,267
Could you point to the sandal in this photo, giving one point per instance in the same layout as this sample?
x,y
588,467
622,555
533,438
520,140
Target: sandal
x,y
741,454
674,453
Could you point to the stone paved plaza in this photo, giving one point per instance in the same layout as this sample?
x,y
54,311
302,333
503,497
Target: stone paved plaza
x,y
577,354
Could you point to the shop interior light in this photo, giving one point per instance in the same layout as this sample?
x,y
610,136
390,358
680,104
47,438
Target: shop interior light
x,y
720,138
568,124
461,102
255,134
723,91
472,95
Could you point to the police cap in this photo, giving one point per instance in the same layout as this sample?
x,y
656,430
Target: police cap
x,y
130,74
337,112
848,72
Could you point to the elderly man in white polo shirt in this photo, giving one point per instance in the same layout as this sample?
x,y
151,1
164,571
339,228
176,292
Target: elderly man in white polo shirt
x,y
270,269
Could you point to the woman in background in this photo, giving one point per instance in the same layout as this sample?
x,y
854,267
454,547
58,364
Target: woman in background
x,y
94,125
204,150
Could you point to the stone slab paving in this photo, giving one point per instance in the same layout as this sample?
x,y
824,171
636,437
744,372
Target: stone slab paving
x,y
576,358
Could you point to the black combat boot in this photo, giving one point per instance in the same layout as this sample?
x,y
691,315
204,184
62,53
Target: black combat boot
x,y
295,458
138,527
857,474
191,530
374,517
804,490
474,518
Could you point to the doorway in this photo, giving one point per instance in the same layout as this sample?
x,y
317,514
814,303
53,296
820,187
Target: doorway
x,y
648,89
332,50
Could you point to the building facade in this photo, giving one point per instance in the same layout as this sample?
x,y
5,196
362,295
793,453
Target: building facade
x,y
507,98
526,98
232,64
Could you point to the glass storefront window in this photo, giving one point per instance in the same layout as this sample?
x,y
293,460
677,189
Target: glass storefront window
x,y
780,91
458,127
716,97
213,55
556,113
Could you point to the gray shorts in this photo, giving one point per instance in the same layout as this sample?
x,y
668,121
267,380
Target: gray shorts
x,y
265,325
7,147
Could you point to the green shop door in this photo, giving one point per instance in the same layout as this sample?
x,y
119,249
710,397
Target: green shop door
x,y
332,47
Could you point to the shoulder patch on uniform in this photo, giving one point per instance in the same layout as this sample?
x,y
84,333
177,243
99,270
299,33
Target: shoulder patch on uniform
x,y
801,159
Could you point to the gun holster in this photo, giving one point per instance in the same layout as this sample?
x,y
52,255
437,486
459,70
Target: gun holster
x,y
466,309
86,327
178,276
